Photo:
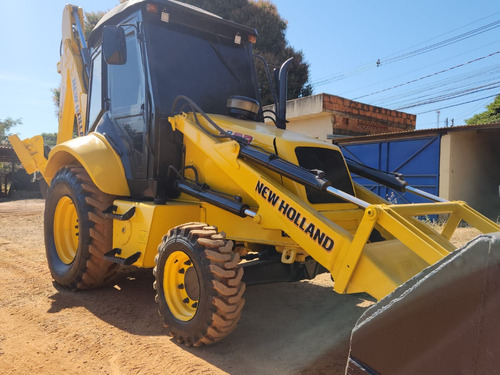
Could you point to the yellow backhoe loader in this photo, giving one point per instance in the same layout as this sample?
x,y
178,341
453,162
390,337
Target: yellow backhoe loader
x,y
163,161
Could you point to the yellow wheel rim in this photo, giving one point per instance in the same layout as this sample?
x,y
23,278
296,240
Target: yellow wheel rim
x,y
181,286
66,230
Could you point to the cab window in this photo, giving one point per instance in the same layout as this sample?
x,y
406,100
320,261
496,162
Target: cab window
x,y
95,102
126,82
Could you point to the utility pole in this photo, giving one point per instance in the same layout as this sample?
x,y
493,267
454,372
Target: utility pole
x,y
438,112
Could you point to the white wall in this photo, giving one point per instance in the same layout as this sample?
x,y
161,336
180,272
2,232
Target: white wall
x,y
470,169
318,126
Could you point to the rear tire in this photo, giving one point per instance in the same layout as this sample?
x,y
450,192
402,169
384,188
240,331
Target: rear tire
x,y
199,284
76,232
44,187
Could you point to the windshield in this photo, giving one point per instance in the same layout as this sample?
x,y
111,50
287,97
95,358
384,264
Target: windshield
x,y
206,68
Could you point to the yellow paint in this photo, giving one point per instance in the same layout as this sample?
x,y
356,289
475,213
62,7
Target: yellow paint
x,y
92,151
30,152
336,235
66,230
145,230
243,229
356,264
73,95
174,272
98,158
383,267
123,233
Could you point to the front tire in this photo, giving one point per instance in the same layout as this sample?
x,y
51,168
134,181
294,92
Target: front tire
x,y
199,284
76,232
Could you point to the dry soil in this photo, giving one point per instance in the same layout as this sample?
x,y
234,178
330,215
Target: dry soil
x,y
286,328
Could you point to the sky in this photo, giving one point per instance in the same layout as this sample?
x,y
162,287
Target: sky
x,y
433,55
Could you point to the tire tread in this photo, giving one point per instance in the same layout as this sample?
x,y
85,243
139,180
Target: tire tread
x,y
225,286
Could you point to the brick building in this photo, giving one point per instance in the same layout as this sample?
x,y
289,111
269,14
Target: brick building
x,y
326,116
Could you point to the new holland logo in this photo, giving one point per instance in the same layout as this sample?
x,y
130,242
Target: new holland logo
x,y
292,214
78,112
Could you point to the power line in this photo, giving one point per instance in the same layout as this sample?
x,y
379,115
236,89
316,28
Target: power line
x,y
453,95
447,89
393,78
444,43
429,75
471,111
443,86
391,59
458,104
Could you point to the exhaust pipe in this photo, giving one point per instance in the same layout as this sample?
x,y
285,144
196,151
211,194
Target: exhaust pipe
x,y
282,94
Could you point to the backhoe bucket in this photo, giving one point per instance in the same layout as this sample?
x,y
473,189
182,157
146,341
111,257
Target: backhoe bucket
x,y
445,320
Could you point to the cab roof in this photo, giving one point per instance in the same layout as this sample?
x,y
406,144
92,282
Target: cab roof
x,y
186,14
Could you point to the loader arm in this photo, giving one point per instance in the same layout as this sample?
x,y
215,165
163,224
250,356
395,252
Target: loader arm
x,y
356,264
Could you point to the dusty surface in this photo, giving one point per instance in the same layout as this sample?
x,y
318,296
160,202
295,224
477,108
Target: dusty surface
x,y
297,328
285,328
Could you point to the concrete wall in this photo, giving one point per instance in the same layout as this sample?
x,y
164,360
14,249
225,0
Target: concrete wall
x,y
469,169
322,126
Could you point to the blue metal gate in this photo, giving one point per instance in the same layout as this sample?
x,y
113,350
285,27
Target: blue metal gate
x,y
416,158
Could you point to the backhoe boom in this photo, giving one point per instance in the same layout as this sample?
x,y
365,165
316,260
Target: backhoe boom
x,y
74,69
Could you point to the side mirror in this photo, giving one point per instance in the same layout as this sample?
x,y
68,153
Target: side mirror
x,y
114,45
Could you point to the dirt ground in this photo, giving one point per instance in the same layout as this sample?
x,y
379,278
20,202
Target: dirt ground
x,y
286,328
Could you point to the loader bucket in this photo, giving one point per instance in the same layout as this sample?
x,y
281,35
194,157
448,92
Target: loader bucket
x,y
445,320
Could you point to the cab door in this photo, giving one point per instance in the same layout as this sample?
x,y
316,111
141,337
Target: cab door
x,y
126,103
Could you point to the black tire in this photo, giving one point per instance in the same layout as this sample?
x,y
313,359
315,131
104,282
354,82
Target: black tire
x,y
44,187
76,232
200,299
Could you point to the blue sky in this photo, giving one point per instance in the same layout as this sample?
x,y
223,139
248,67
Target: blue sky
x,y
341,41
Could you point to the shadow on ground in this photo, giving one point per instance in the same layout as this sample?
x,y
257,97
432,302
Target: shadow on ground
x,y
286,328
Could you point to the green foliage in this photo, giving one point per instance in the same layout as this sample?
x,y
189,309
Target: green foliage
x,y
56,97
271,42
91,19
491,115
49,139
5,128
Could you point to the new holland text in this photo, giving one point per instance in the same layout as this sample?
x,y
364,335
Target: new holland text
x,y
293,215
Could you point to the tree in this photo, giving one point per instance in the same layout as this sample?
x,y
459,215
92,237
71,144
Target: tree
x,y
271,42
492,114
56,98
49,139
90,20
5,127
